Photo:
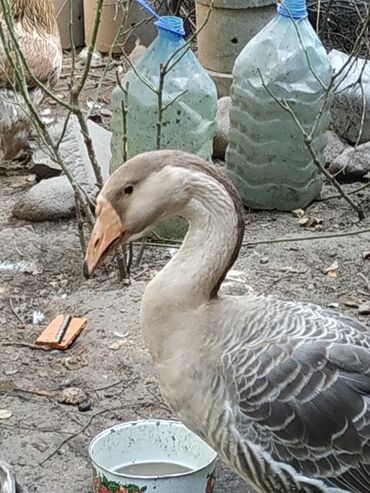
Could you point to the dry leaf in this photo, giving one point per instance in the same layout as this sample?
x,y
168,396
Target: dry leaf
x,y
116,345
120,335
332,270
366,255
76,361
309,222
5,414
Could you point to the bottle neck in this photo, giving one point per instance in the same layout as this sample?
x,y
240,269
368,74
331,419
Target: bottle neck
x,y
165,34
295,9
170,27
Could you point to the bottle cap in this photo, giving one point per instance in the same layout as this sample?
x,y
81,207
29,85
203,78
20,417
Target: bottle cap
x,y
171,23
293,8
167,22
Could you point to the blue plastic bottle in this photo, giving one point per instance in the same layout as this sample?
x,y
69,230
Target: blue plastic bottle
x,y
267,159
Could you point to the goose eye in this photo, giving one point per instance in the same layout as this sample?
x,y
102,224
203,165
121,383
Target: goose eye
x,y
129,189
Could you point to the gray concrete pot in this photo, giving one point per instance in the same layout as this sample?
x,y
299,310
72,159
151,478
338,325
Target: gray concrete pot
x,y
62,14
112,17
231,25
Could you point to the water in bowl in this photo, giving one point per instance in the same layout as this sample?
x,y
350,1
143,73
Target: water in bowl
x,y
159,469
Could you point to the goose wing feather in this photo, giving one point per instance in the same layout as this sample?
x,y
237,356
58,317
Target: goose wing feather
x,y
42,52
304,396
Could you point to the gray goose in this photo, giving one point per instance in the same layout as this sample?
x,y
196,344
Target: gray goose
x,y
281,389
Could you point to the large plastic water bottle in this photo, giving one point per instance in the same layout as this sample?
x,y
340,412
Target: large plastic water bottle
x,y
189,96
267,159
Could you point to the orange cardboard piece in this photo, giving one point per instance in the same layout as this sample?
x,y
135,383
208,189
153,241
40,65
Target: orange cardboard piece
x,y
48,336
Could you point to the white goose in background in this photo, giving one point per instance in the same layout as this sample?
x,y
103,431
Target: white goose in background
x,y
281,389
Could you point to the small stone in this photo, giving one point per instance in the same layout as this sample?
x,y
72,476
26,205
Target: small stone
x,y
264,260
351,303
49,200
40,446
22,463
333,305
84,406
106,112
5,414
73,396
364,308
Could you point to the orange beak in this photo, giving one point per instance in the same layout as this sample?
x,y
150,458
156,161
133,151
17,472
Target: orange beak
x,y
107,230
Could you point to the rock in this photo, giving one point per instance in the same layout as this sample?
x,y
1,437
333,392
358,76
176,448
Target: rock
x,y
221,140
41,164
84,406
73,396
334,147
49,200
364,308
96,58
347,106
54,199
106,112
5,414
353,164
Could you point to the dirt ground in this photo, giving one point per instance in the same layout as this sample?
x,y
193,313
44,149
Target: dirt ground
x,y
41,270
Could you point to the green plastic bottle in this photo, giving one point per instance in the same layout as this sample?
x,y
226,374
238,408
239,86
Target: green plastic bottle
x,y
189,120
266,158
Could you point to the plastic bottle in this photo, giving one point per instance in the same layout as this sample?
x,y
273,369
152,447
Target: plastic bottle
x,y
189,120
266,158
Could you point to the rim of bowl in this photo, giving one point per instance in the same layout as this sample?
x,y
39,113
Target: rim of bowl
x,y
133,423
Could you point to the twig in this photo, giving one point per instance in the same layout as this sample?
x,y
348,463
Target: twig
x,y
24,325
80,224
110,62
307,238
136,276
141,252
35,428
121,263
338,196
367,282
89,145
25,344
276,240
78,432
108,386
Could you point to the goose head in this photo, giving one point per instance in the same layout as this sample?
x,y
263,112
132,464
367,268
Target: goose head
x,y
145,190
